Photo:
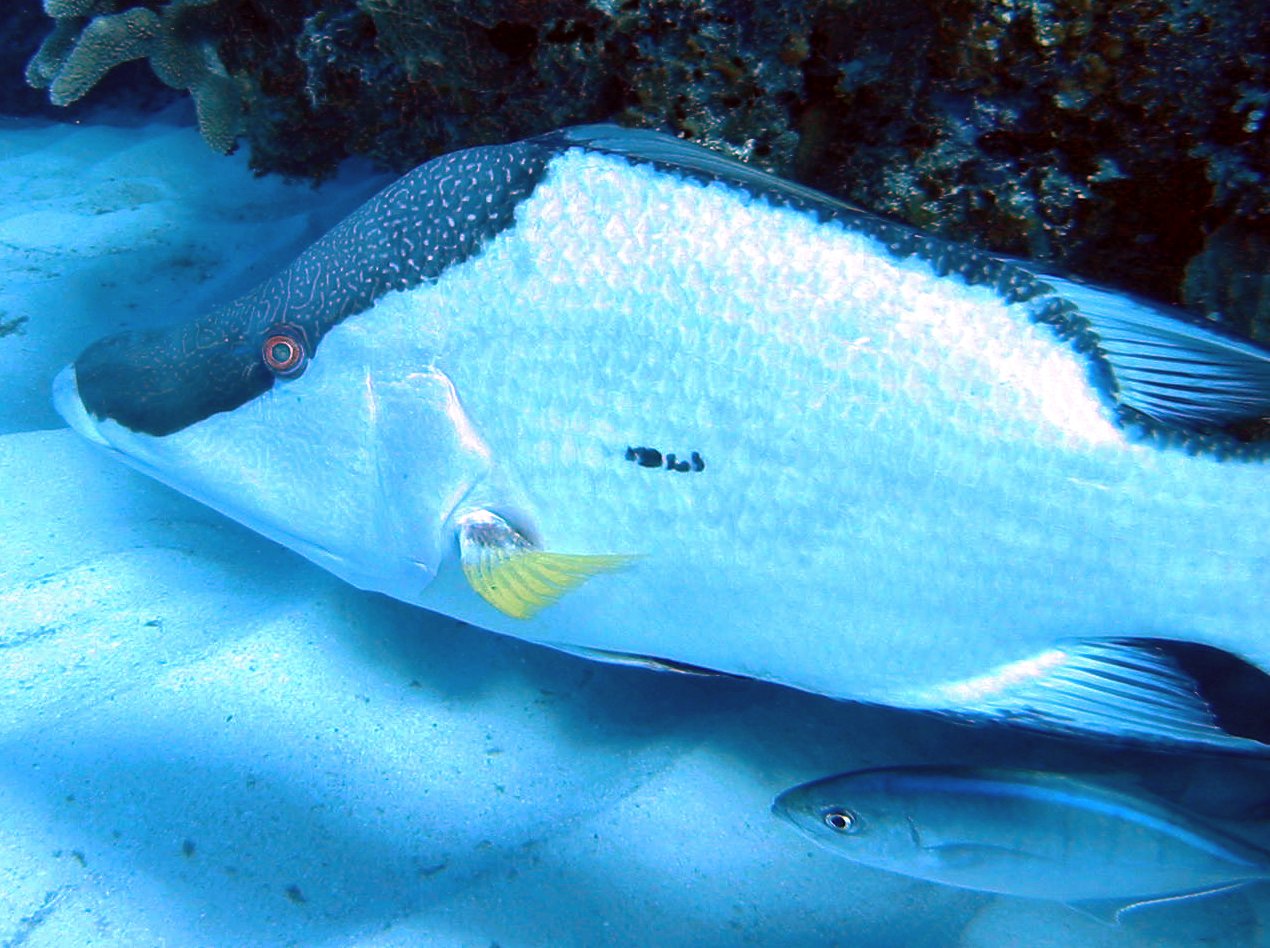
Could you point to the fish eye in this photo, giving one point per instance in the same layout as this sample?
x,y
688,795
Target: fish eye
x,y
284,351
841,821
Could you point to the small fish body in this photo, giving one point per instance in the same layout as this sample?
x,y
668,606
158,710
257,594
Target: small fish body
x,y
617,394
1021,833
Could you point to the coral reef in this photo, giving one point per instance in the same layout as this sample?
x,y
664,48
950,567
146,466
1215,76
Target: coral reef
x,y
88,40
1125,140
131,87
1110,138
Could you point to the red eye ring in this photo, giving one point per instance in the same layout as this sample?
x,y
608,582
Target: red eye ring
x,y
284,352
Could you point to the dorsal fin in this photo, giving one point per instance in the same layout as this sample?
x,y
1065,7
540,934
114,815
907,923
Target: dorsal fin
x,y
1179,373
643,144
1175,371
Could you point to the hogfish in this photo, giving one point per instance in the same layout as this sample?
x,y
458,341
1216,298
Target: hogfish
x,y
608,391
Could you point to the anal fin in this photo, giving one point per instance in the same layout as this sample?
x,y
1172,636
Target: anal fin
x,y
1112,911
1132,688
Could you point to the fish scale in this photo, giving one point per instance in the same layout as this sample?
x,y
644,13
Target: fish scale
x,y
909,482
767,486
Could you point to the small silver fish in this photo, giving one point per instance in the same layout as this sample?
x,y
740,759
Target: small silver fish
x,y
1022,833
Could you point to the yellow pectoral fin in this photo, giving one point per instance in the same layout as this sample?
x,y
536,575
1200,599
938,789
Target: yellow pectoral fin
x,y
521,584
512,576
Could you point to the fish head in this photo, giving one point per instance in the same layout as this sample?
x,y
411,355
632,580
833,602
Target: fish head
x,y
341,442
856,817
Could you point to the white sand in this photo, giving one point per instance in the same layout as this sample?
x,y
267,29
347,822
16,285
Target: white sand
x,y
205,740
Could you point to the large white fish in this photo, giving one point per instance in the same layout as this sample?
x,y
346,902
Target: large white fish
x,y
609,391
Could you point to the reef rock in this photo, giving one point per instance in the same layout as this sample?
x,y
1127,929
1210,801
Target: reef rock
x,y
1111,139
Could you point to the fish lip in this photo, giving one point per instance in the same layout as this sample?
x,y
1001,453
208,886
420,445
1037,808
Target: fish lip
x,y
67,402
780,808
70,406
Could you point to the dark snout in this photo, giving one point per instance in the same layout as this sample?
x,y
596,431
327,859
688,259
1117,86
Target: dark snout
x,y
160,381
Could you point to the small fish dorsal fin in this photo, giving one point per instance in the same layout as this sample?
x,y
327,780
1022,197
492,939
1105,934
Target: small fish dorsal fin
x,y
1174,371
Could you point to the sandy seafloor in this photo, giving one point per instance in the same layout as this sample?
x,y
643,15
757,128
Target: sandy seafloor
x,y
206,740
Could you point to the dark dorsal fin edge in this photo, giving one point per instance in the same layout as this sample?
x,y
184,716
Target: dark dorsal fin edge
x,y
1013,283
1171,380
1174,370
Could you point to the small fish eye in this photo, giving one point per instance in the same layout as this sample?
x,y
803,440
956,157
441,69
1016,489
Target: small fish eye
x,y
841,821
284,351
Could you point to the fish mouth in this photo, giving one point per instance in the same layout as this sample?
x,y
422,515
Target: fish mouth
x,y
792,806
780,807
70,406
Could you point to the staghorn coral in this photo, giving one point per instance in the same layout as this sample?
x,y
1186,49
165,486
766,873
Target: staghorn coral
x,y
88,40
100,46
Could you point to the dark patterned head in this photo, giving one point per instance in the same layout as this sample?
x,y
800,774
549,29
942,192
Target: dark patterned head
x,y
284,408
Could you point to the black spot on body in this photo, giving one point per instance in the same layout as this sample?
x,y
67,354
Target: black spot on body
x,y
645,457
674,464
651,457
